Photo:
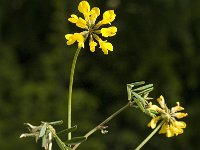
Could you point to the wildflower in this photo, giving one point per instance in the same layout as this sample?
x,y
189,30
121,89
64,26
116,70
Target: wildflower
x,y
170,126
91,29
75,37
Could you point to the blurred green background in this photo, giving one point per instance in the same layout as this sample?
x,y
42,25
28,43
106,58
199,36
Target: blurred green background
x,y
157,41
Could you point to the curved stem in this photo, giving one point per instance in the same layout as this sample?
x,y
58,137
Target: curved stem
x,y
101,125
150,136
69,105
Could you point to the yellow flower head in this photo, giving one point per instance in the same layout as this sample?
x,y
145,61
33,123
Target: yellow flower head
x,y
91,29
170,126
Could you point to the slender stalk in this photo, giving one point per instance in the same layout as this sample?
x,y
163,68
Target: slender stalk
x,y
50,140
69,105
100,126
149,136
54,134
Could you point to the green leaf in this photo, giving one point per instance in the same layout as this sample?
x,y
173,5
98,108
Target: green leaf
x,y
139,104
136,83
66,131
75,140
44,141
143,87
60,144
54,122
141,100
43,130
146,91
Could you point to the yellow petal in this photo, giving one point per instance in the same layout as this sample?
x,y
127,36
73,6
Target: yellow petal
x,y
108,17
166,129
70,39
80,39
176,130
67,36
94,13
180,124
153,122
75,37
155,108
81,23
92,46
111,31
163,129
177,108
161,101
73,18
84,7
180,115
105,46
170,132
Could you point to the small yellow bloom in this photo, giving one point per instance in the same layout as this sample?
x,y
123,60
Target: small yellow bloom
x,y
75,37
177,108
111,31
81,23
108,17
94,13
180,115
91,29
105,46
170,126
161,101
153,122
155,108
84,7
73,18
92,46
167,129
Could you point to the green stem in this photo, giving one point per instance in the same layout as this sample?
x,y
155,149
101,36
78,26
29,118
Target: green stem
x,y
150,136
70,91
55,135
100,126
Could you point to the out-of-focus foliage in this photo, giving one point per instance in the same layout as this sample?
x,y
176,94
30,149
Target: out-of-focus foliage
x,y
157,41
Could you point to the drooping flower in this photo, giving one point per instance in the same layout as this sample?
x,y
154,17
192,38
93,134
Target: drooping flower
x,y
170,126
91,29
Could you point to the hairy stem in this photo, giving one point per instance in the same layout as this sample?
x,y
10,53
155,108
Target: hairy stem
x,y
149,136
100,126
69,105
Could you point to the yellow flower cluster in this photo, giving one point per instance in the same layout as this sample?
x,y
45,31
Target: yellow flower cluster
x,y
91,29
170,126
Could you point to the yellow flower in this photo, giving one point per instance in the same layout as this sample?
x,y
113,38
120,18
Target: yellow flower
x,y
105,46
108,17
94,13
170,126
106,32
92,46
73,18
75,37
81,23
91,29
84,7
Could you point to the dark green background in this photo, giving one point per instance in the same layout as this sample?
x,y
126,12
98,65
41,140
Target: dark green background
x,y
157,41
